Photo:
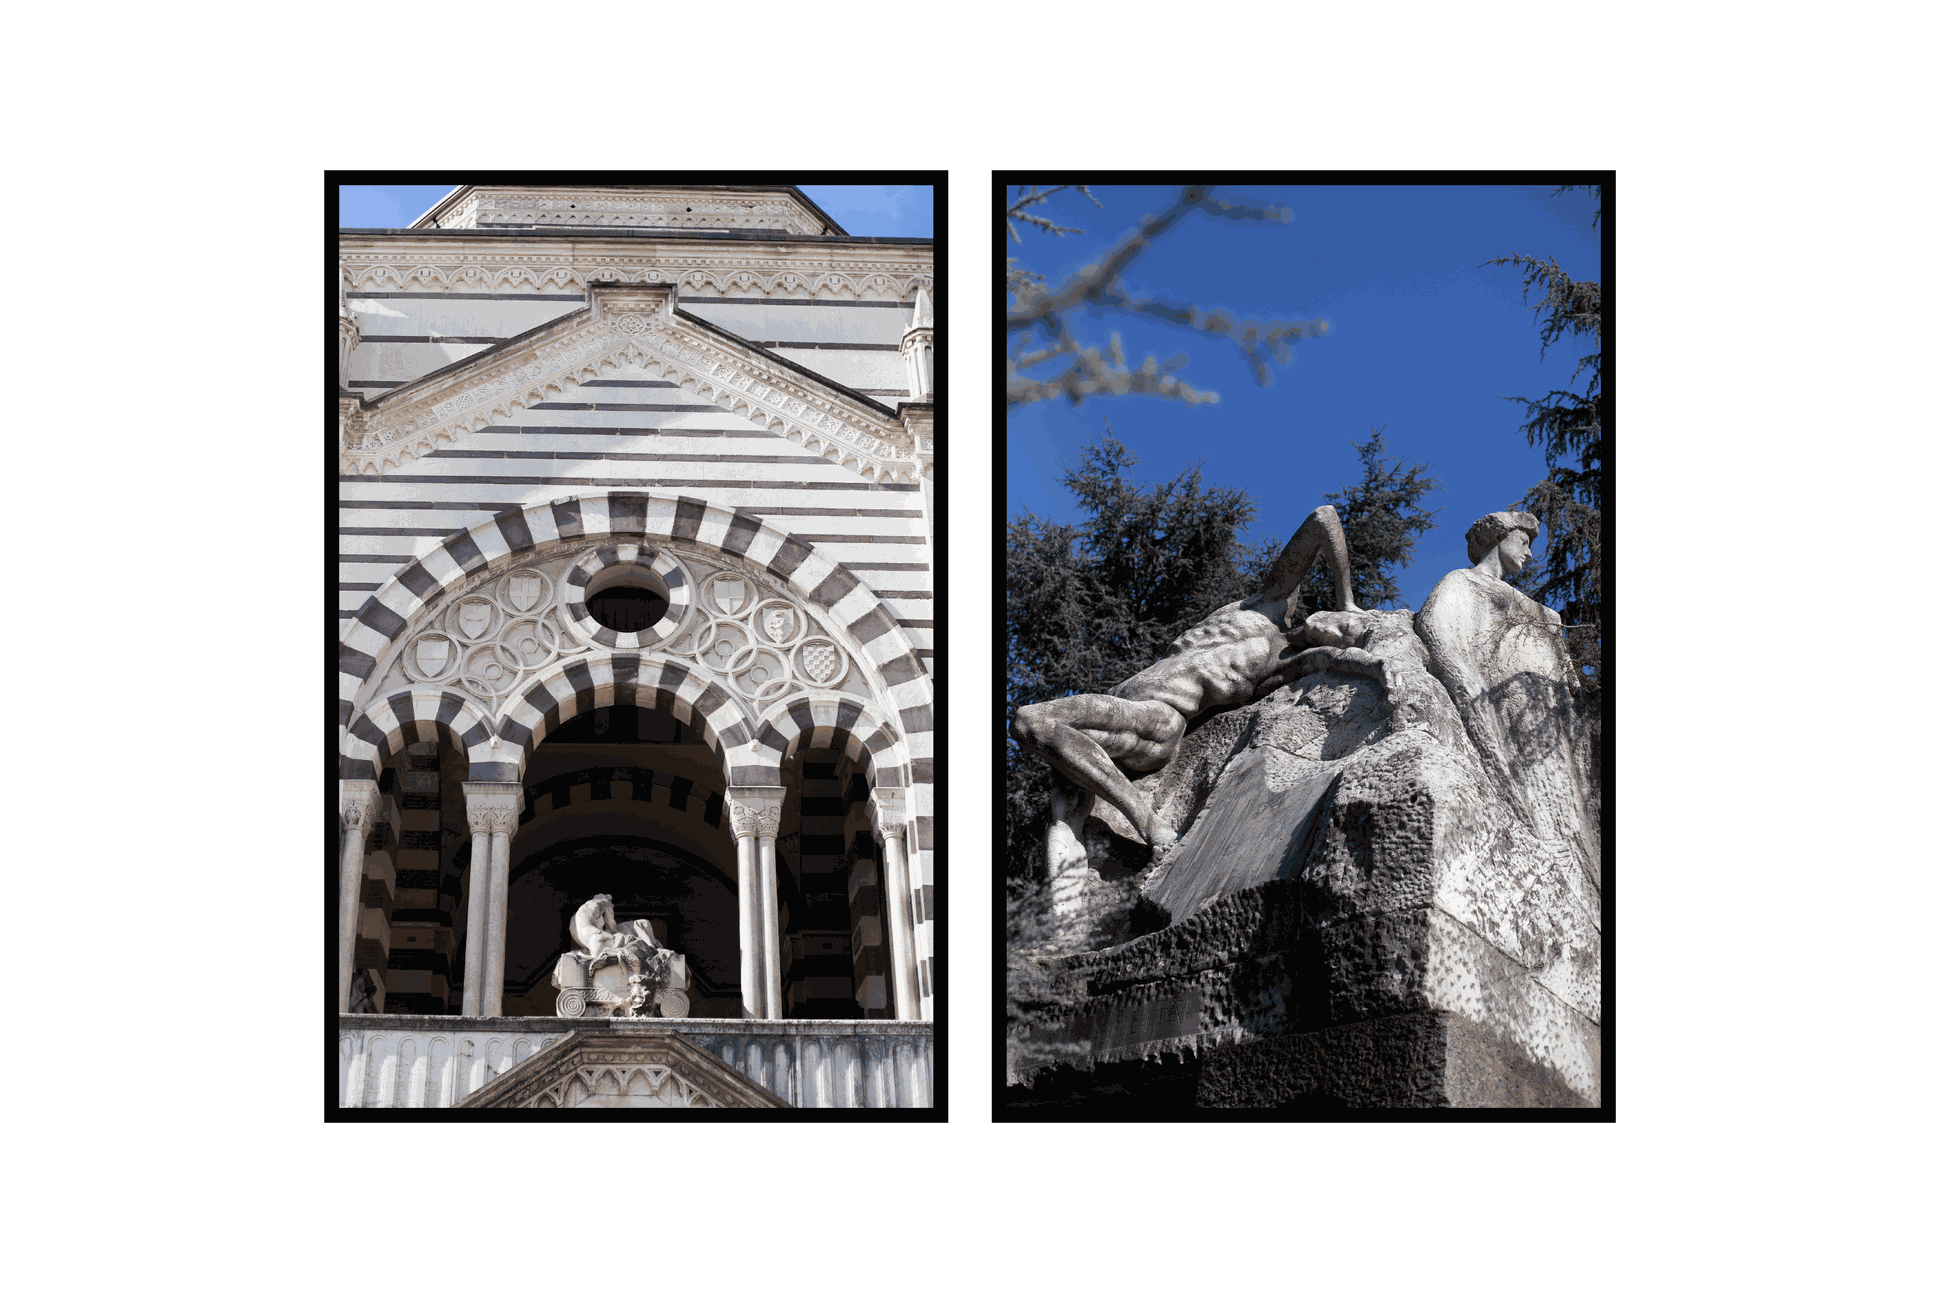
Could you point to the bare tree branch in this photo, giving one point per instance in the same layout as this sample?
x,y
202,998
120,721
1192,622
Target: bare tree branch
x,y
1098,288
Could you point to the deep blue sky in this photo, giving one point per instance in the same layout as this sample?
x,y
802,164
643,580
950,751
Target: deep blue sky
x,y
864,210
1421,337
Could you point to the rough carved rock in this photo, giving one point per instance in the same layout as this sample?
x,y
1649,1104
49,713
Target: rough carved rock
x,y
1406,833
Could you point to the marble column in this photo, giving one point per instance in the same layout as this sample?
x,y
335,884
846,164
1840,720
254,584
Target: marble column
x,y
755,814
886,808
358,805
742,822
492,809
493,1001
478,886
770,905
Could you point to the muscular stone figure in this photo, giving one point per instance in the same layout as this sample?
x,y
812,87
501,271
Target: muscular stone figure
x,y
1238,652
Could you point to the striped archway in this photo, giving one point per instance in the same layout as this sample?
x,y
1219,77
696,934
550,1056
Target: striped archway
x,y
880,646
896,729
413,714
839,723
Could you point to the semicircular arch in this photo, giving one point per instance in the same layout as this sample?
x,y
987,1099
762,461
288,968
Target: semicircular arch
x,y
407,715
836,721
881,648
565,689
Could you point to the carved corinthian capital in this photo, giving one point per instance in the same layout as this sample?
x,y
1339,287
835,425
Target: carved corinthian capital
x,y
886,808
747,821
493,807
358,804
754,812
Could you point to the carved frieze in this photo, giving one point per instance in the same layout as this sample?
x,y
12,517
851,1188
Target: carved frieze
x,y
496,632
830,277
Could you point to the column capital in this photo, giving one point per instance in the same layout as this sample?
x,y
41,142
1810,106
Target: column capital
x,y
358,804
755,810
493,807
888,809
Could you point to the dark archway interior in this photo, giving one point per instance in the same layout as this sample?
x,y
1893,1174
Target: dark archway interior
x,y
690,901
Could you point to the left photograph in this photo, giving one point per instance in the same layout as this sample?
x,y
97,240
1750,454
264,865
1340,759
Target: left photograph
x,y
636,554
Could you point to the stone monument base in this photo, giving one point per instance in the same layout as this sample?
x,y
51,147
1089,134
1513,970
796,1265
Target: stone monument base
x,y
1430,1059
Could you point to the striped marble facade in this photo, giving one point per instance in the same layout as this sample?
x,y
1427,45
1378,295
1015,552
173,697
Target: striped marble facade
x,y
630,465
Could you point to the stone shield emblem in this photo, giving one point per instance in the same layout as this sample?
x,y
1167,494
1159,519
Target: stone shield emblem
x,y
433,654
730,594
819,661
779,623
474,618
524,591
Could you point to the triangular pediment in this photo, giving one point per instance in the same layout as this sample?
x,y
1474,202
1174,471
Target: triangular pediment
x,y
640,1067
626,326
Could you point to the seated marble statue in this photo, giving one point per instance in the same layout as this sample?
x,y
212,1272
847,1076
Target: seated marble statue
x,y
619,968
1469,622
1239,652
1505,662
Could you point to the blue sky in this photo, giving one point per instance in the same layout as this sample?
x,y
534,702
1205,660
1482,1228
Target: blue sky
x,y
1421,337
864,210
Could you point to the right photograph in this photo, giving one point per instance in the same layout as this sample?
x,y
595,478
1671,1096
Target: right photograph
x,y
1305,677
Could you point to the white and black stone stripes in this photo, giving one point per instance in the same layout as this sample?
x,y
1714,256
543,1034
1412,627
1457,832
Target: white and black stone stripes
x,y
872,633
668,575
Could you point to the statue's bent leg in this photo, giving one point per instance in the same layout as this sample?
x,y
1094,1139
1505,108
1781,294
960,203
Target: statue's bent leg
x,y
1319,538
1081,736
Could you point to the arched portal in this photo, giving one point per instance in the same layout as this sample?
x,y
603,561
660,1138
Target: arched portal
x,y
489,642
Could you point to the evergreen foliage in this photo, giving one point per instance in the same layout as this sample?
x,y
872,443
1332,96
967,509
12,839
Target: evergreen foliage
x,y
1568,425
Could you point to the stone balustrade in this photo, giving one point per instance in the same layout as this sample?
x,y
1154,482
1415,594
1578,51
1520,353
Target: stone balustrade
x,y
434,1061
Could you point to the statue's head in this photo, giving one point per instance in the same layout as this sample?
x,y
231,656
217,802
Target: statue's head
x,y
1486,534
602,909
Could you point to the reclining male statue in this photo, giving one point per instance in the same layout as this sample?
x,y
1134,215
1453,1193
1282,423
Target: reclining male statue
x,y
1238,653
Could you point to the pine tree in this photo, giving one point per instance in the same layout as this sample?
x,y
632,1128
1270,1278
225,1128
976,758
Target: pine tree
x,y
1568,425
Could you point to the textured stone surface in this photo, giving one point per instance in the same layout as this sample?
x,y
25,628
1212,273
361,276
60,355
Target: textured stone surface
x,y
1430,1059
1351,859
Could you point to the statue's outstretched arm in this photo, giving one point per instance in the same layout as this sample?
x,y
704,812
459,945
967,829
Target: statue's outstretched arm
x,y
1319,538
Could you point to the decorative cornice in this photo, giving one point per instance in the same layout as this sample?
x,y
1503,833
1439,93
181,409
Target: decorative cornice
x,y
403,264
628,324
576,207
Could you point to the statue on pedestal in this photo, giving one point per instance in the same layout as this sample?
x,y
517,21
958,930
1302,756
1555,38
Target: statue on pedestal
x,y
620,970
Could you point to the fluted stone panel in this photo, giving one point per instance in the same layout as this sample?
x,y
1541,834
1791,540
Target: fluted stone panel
x,y
421,1061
